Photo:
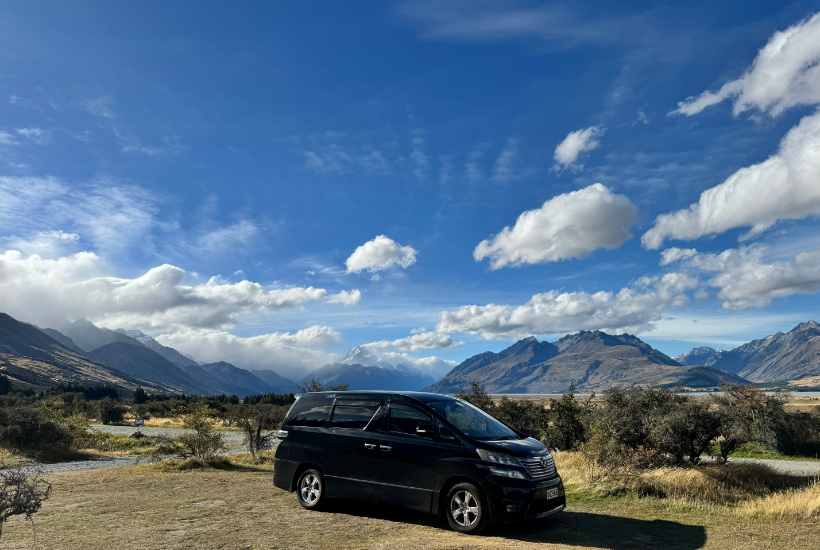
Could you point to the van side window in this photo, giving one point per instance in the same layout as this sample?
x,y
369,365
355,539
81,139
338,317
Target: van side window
x,y
353,415
406,419
310,413
446,435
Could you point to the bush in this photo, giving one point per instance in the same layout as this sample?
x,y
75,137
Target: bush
x,y
110,412
253,420
204,442
569,420
44,430
140,396
21,493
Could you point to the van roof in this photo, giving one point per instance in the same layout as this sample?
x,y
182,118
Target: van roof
x,y
419,395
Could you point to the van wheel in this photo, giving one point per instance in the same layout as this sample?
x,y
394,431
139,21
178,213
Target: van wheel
x,y
467,509
310,490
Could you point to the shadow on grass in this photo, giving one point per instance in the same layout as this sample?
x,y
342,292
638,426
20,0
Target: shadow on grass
x,y
582,529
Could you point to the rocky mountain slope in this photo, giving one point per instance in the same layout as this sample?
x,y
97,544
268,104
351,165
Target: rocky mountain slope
x,y
789,356
32,358
89,336
593,360
146,364
230,374
171,354
704,355
278,384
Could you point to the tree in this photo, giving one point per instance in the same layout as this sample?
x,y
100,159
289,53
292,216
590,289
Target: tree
x,y
22,492
5,385
109,411
254,420
140,396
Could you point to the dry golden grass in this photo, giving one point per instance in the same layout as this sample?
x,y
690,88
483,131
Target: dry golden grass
x,y
146,507
799,503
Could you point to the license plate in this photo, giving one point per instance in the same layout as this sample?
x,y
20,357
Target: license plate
x,y
552,493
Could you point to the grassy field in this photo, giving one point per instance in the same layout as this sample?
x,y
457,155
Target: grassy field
x,y
162,506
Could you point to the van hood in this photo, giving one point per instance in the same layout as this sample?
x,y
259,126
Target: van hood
x,y
517,447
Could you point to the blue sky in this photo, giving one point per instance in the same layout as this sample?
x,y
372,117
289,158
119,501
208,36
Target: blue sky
x,y
266,144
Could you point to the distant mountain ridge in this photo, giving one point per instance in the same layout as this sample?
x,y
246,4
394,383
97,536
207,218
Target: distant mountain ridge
x,y
363,370
704,355
593,360
169,353
778,357
89,336
32,358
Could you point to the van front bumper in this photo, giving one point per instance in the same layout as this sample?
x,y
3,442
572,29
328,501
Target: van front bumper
x,y
513,500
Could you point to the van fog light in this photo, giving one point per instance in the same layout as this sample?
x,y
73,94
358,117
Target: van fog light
x,y
515,474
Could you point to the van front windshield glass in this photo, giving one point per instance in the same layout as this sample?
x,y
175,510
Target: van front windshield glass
x,y
471,420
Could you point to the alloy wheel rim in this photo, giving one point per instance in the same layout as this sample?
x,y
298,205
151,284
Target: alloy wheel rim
x,y
464,508
310,490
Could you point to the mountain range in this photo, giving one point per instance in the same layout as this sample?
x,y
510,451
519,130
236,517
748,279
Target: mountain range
x,y
779,357
89,355
592,360
364,371
82,353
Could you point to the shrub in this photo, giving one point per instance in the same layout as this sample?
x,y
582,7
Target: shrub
x,y
204,442
569,420
140,396
684,427
44,430
253,420
109,411
22,493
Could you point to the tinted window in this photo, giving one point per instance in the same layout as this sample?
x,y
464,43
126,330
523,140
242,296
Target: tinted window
x,y
309,412
353,415
471,420
446,435
406,420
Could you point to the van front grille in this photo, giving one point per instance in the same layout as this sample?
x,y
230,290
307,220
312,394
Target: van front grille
x,y
538,470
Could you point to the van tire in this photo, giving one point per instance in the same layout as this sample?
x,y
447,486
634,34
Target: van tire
x,y
466,509
310,489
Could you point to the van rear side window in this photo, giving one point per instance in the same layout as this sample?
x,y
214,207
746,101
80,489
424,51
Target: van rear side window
x,y
353,415
310,413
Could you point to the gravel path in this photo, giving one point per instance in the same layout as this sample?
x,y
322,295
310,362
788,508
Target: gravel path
x,y
791,467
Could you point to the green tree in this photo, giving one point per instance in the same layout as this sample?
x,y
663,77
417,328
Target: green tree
x,y
109,411
203,441
140,396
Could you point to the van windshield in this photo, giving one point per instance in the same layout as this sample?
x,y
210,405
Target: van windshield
x,y
471,420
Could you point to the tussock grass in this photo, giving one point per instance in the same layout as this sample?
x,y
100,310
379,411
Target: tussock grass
x,y
799,503
244,461
706,484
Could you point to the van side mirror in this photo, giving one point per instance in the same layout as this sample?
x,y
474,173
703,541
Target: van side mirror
x,y
425,430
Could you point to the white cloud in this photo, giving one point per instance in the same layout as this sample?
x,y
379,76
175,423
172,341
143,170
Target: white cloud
x,y
290,355
417,342
785,73
337,158
567,226
379,254
37,135
47,244
220,239
347,298
51,291
746,281
580,141
100,106
504,169
472,167
632,309
418,157
784,186
434,366
7,138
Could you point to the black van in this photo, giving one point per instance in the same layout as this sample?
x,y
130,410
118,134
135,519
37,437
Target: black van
x,y
425,451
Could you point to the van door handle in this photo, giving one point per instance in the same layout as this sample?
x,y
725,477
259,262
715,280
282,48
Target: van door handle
x,y
370,446
385,447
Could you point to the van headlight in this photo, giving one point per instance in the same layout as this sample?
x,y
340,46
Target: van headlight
x,y
515,474
498,458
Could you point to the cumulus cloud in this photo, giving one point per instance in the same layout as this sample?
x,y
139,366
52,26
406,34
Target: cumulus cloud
x,y
47,244
345,297
785,73
379,254
746,281
632,309
51,291
417,342
784,186
567,226
577,142
289,354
